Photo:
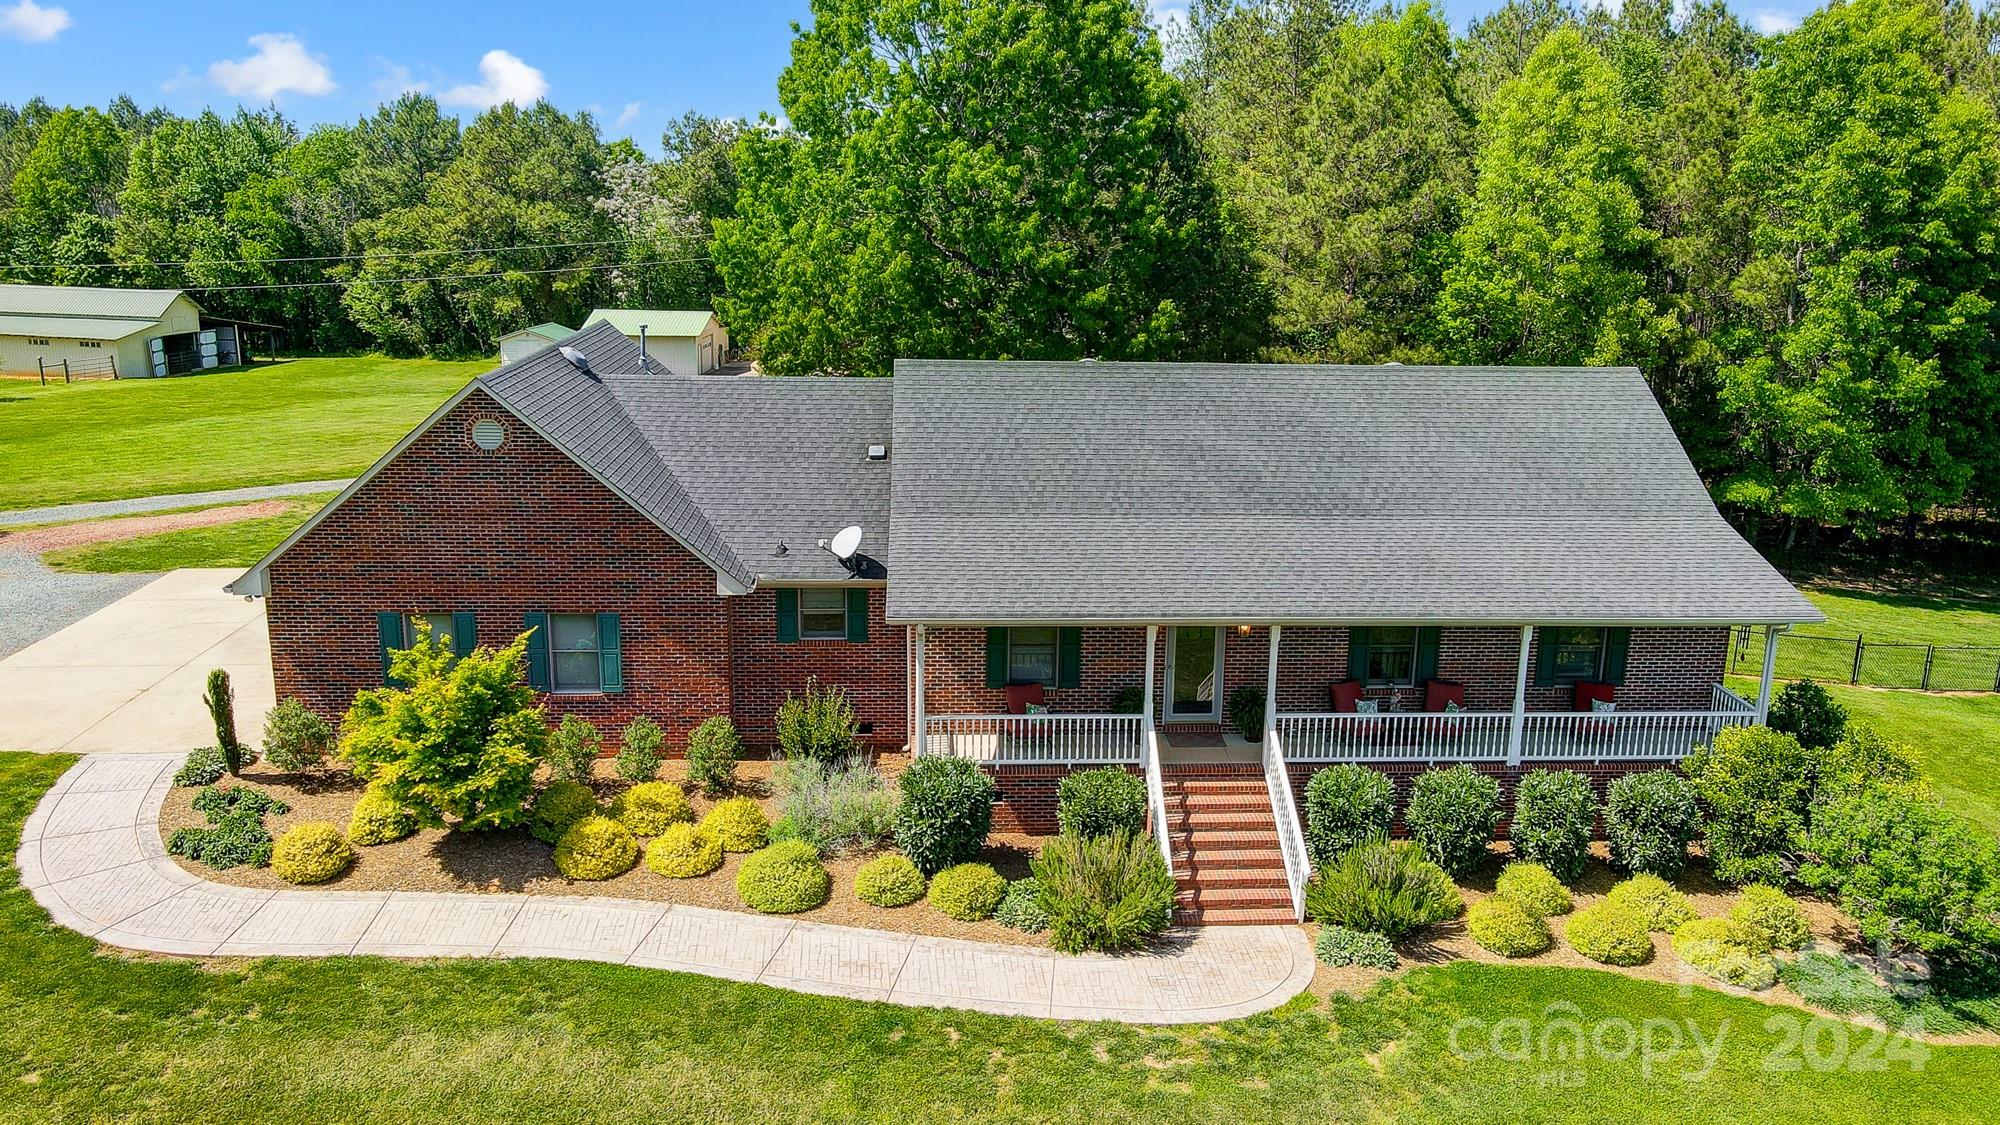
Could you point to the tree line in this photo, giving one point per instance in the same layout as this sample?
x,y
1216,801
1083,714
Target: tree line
x,y
1793,236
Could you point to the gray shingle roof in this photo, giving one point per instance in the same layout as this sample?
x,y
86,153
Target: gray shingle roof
x,y
1159,492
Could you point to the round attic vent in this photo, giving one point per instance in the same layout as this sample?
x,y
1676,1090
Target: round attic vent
x,y
488,434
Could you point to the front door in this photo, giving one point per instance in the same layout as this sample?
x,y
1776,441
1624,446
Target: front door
x,y
1194,673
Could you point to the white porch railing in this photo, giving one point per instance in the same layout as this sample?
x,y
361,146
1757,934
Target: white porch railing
x,y
1421,736
1156,797
1628,735
1055,740
1722,699
1284,811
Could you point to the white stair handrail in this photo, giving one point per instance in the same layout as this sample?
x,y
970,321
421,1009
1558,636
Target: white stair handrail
x,y
1285,814
1156,796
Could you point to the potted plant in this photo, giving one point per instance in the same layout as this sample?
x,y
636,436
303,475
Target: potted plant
x,y
1246,710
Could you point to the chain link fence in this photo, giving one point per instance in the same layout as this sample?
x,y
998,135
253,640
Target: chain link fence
x,y
1858,660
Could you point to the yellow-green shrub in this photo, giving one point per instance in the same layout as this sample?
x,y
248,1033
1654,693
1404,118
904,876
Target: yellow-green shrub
x,y
889,880
562,804
650,806
739,824
1536,888
596,847
684,851
312,852
1655,901
1771,910
968,891
1503,926
1728,950
377,820
785,878
1610,934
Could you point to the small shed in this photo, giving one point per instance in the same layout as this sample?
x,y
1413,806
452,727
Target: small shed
x,y
684,341
524,342
98,332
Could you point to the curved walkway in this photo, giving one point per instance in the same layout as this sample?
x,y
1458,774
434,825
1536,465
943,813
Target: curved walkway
x,y
91,854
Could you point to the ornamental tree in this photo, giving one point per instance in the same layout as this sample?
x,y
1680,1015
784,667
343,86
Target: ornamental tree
x,y
458,745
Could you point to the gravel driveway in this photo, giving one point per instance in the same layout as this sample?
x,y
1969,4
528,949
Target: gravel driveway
x,y
36,601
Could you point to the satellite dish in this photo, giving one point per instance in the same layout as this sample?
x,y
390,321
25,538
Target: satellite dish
x,y
845,542
576,358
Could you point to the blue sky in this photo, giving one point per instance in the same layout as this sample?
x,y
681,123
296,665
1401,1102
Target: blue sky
x,y
635,65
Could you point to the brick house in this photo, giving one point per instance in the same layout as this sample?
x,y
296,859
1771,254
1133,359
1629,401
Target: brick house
x,y
1065,565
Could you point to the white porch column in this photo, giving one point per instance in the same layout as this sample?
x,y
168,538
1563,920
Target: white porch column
x,y
1152,646
1764,684
918,743
1271,687
1516,730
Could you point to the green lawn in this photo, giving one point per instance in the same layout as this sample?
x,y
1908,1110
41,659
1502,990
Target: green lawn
x,y
1826,652
227,544
302,419
94,1036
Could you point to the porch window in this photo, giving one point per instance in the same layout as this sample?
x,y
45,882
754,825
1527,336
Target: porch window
x,y
823,613
1031,656
1574,653
1034,654
1392,655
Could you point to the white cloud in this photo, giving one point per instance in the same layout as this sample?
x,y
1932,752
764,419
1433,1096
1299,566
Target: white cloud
x,y
280,66
503,77
628,115
1167,15
1772,22
31,23
396,80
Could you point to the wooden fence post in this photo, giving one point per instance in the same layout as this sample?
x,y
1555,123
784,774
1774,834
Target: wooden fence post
x,y
65,371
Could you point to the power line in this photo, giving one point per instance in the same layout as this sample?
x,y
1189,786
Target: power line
x,y
446,277
316,257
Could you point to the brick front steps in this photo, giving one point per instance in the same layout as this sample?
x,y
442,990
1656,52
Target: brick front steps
x,y
1225,847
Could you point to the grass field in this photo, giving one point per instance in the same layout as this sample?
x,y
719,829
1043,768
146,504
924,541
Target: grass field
x,y
1826,652
302,419
94,1036
229,544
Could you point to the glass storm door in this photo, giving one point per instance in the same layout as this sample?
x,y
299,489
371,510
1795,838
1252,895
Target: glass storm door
x,y
1194,671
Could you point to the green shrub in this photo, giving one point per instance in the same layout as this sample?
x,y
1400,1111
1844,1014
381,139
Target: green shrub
x,y
1655,901
573,749
639,750
1501,925
1804,710
295,738
1452,814
889,880
311,852
203,767
1554,812
819,724
1775,913
377,820
836,806
712,753
1104,893
1346,806
1610,934
1861,758
1650,819
946,812
236,836
1339,946
785,828
1382,888
967,891
562,804
460,743
220,699
1100,802
684,851
1128,700
596,847
1021,907
1728,950
739,824
1246,711
1535,888
1755,786
783,879
650,806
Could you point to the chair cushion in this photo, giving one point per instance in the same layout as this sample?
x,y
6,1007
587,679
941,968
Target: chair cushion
x,y
1020,695
1367,706
1346,694
1588,693
1602,707
1438,693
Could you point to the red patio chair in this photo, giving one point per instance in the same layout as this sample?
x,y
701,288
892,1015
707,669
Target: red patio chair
x,y
1586,693
1020,695
1345,695
1437,693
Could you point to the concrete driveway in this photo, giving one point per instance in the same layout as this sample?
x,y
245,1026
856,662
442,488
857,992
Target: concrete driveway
x,y
128,679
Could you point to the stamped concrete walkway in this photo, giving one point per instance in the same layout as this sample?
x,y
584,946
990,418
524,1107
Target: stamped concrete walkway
x,y
91,853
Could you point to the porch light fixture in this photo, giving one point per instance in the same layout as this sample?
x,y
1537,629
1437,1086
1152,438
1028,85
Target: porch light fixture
x,y
1243,630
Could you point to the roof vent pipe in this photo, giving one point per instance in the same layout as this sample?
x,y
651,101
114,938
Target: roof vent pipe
x,y
644,363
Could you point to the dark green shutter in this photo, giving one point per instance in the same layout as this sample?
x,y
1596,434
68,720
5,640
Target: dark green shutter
x,y
389,632
1427,654
1545,661
857,614
538,649
1616,641
996,657
464,633
788,616
610,654
1357,654
1069,658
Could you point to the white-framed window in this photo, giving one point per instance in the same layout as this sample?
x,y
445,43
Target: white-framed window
x,y
35,343
1031,655
440,623
1392,655
90,343
574,645
823,613
1575,653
